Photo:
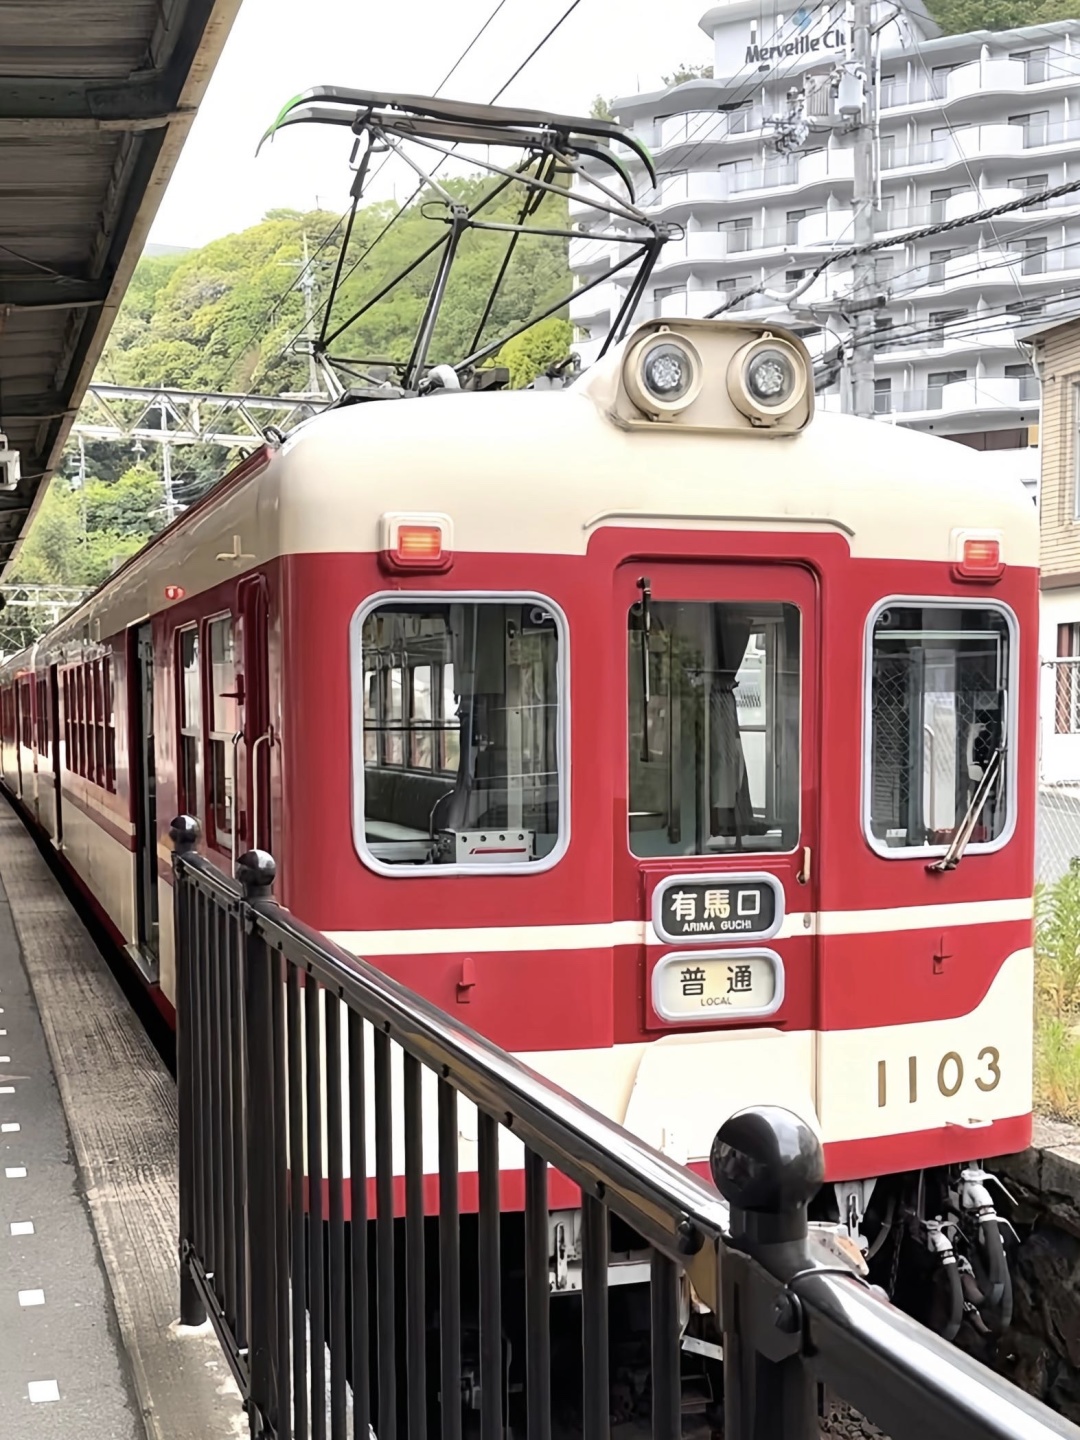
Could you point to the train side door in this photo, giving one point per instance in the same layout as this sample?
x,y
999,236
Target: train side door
x,y
141,668
254,607
722,794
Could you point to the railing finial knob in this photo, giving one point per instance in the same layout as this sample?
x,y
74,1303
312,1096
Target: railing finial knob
x,y
767,1160
184,832
256,872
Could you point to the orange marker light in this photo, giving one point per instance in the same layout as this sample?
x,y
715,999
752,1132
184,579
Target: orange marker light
x,y
419,543
174,592
980,559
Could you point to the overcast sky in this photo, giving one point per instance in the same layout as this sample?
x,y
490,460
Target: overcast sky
x,y
280,47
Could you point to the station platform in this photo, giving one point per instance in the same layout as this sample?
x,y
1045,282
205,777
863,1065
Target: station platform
x,y
89,1340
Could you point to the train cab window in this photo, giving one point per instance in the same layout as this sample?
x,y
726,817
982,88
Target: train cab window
x,y
224,724
190,702
714,728
460,731
938,726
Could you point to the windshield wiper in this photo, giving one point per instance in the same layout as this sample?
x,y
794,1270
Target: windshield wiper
x,y
955,853
646,629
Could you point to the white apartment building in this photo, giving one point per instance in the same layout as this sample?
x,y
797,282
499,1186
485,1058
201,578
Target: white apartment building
x,y
964,122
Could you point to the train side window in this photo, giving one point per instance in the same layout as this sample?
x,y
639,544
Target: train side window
x,y
460,715
189,689
224,723
941,710
110,723
714,728
80,720
42,717
98,719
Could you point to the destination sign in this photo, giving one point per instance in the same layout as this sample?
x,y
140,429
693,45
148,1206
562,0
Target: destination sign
x,y
718,907
704,988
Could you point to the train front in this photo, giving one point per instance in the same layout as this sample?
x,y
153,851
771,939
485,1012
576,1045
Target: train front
x,y
692,743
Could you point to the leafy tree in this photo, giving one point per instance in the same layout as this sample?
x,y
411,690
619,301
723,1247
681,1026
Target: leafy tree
x,y
529,354
224,317
958,16
81,535
684,72
132,506
600,109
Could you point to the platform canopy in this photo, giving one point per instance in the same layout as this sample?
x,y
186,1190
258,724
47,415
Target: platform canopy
x,y
96,101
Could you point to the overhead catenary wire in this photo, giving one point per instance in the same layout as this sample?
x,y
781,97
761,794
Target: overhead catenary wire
x,y
264,319
893,342
736,102
1003,259
322,312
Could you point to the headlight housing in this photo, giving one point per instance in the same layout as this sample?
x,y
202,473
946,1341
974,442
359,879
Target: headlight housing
x,y
767,379
663,374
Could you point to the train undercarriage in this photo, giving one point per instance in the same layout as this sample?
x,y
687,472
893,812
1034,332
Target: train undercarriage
x,y
934,1240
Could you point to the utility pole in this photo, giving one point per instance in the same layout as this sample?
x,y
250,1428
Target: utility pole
x,y
166,466
862,350
307,284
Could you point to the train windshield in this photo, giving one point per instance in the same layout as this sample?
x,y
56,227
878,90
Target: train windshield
x,y
714,727
938,711
460,732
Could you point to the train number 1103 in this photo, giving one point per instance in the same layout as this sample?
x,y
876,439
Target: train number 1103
x,y
950,1074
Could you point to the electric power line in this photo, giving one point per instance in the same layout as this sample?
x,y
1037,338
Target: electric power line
x,y
435,169
908,237
736,103
261,323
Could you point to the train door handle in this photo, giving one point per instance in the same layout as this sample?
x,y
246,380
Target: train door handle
x,y
265,739
803,877
236,739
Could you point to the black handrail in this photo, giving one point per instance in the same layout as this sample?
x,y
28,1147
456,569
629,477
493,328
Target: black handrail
x,y
311,1335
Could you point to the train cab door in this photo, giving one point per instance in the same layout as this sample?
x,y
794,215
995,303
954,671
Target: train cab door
x,y
254,807
718,855
141,668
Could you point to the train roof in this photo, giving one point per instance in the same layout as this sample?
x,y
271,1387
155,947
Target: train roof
x,y
541,471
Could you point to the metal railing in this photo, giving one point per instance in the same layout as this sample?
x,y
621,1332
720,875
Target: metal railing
x,y
287,1057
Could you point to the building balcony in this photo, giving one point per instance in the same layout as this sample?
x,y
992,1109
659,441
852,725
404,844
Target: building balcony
x,y
1045,135
914,217
704,127
915,340
763,177
697,305
964,401
920,90
597,304
963,145
981,76
587,254
982,271
999,74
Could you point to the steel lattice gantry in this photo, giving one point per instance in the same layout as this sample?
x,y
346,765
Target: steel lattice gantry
x,y
96,100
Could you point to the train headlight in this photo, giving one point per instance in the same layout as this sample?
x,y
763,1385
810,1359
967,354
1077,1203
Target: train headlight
x,y
663,374
767,379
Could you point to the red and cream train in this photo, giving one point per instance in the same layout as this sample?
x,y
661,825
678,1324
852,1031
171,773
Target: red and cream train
x,y
674,737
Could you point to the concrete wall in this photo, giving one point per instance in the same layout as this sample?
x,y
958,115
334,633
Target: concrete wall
x,y
1041,1350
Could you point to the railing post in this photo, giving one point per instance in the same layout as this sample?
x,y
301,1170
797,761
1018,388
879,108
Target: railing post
x,y
184,833
267,1412
768,1165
